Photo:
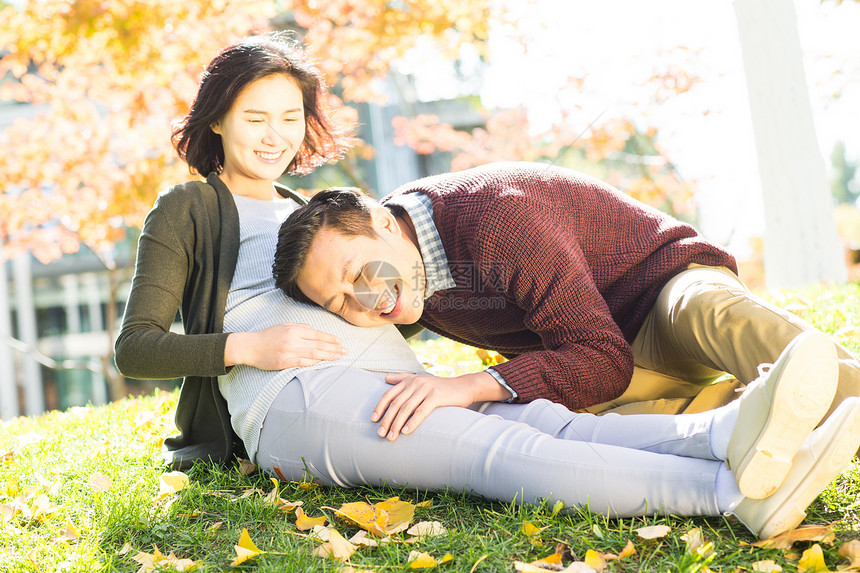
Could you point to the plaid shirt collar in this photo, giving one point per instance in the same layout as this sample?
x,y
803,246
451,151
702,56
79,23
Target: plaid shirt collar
x,y
420,210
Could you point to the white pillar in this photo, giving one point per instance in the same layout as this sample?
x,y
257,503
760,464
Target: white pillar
x,y
801,244
72,304
34,394
92,294
8,380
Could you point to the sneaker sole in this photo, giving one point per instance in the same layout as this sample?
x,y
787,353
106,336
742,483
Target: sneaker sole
x,y
836,456
805,388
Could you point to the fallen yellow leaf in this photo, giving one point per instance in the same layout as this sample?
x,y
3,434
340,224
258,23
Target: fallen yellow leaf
x,y
595,560
341,549
653,531
551,562
171,482
245,549
368,517
69,532
421,560
529,529
400,513
157,561
308,485
303,522
812,561
425,503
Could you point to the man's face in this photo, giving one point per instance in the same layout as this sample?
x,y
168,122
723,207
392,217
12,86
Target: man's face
x,y
368,281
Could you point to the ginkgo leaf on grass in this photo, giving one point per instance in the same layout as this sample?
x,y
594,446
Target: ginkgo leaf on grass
x,y
337,547
156,561
812,561
422,560
305,522
653,531
170,483
245,549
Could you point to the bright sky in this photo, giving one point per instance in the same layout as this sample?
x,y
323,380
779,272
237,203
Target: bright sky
x,y
617,43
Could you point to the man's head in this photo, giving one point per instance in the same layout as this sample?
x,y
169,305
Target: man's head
x,y
352,256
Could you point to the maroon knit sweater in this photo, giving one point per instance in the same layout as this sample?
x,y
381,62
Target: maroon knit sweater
x,y
556,271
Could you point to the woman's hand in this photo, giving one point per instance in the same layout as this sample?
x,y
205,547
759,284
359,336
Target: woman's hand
x,y
282,346
403,407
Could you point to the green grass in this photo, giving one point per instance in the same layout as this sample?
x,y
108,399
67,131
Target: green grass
x,y
57,454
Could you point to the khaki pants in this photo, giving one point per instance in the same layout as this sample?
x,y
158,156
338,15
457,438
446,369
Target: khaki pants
x,y
704,325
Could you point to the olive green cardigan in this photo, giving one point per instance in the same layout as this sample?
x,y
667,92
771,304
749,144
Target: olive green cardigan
x,y
185,261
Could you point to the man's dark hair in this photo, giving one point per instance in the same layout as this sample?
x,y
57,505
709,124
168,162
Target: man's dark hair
x,y
342,209
236,67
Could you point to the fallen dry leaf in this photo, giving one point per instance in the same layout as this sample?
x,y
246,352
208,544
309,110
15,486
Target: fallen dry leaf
x,y
307,485
421,560
126,547
158,561
425,503
823,533
628,550
337,547
68,533
812,561
552,562
653,531
7,457
427,529
6,511
851,551
245,549
303,522
99,482
246,467
693,539
766,566
361,539
42,508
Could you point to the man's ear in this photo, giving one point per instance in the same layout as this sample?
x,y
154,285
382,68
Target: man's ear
x,y
383,221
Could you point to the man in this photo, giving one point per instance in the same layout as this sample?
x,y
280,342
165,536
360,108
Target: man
x,y
573,281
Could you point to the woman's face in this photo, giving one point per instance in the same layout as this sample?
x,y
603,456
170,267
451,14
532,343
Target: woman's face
x,y
261,132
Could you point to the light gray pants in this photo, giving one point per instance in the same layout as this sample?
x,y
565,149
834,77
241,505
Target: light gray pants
x,y
615,465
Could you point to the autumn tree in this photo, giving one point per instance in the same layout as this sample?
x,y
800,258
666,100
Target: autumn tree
x,y
108,76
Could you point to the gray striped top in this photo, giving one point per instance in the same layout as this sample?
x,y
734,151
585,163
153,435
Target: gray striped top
x,y
254,303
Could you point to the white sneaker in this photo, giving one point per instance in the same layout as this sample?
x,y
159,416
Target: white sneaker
x,y
821,458
778,411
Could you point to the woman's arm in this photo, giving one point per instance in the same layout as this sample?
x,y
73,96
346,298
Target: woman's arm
x,y
145,347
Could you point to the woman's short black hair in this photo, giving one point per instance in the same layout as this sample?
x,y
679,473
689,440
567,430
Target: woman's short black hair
x,y
231,71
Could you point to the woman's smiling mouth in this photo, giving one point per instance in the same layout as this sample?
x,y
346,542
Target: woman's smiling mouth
x,y
269,156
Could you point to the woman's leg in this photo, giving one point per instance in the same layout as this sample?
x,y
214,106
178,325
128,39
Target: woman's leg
x,y
681,435
321,422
